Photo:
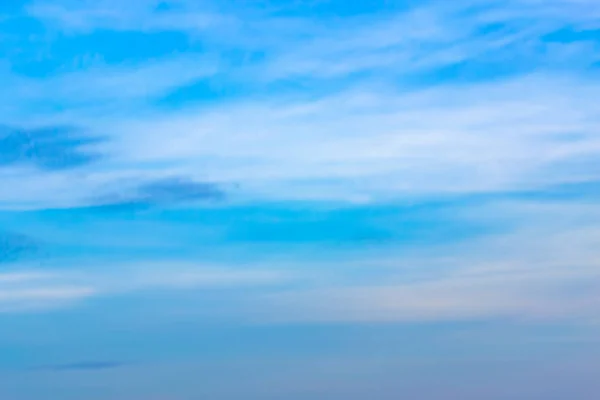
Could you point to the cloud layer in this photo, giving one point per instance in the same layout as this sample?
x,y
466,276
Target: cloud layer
x,y
306,196
441,98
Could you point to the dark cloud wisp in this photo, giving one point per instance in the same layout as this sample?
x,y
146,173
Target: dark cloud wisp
x,y
179,189
83,366
163,192
49,148
14,246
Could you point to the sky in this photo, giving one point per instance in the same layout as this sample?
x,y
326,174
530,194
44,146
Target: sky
x,y
299,199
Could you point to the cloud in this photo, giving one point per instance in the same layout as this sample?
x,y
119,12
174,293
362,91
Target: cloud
x,y
365,144
380,145
31,290
162,192
436,99
178,189
28,290
512,295
431,35
545,269
83,366
14,246
49,148
85,16
99,90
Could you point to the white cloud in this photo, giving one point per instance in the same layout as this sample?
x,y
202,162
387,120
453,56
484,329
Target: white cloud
x,y
370,141
489,137
33,290
517,295
547,269
84,16
431,34
99,89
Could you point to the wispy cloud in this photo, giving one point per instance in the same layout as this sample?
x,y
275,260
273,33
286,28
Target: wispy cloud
x,y
82,366
382,144
13,246
52,148
245,134
439,98
510,295
77,16
544,269
425,100
367,144
32,290
22,291
163,192
99,89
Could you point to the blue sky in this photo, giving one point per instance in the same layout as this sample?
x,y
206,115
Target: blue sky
x,y
299,199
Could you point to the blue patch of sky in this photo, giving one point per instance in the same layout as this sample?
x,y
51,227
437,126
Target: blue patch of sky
x,y
465,72
67,52
571,35
213,232
228,86
207,91
241,233
22,40
323,9
502,63
12,5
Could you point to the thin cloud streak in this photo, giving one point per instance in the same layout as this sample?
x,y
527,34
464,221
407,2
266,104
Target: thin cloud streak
x,y
81,366
33,290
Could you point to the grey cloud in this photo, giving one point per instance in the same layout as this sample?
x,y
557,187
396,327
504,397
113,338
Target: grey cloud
x,y
83,366
13,246
49,148
178,189
162,192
